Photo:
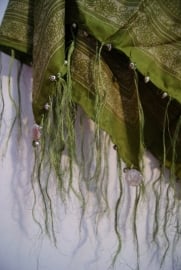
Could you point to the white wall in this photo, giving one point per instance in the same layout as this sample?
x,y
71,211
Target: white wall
x,y
91,246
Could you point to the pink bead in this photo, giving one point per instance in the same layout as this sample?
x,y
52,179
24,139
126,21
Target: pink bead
x,y
36,133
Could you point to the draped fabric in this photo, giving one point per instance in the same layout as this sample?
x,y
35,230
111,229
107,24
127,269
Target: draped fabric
x,y
107,37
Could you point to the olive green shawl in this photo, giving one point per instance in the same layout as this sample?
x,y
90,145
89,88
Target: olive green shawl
x,y
88,45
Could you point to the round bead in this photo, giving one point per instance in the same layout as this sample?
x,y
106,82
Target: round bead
x,y
65,62
133,177
46,106
147,79
52,78
164,95
36,143
132,65
85,34
74,25
109,47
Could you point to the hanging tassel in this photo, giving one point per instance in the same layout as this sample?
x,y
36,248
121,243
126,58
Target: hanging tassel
x,y
116,216
141,118
164,229
174,153
157,184
55,138
100,88
15,106
40,191
165,125
100,98
19,107
70,119
135,231
58,135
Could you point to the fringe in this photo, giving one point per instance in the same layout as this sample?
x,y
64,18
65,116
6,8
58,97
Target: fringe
x,y
12,100
40,187
19,106
166,218
165,124
116,217
174,153
93,162
157,184
33,177
15,106
100,94
135,233
1,94
57,149
141,121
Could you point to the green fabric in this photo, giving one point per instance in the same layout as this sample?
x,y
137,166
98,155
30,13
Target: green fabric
x,y
17,29
147,32
119,116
